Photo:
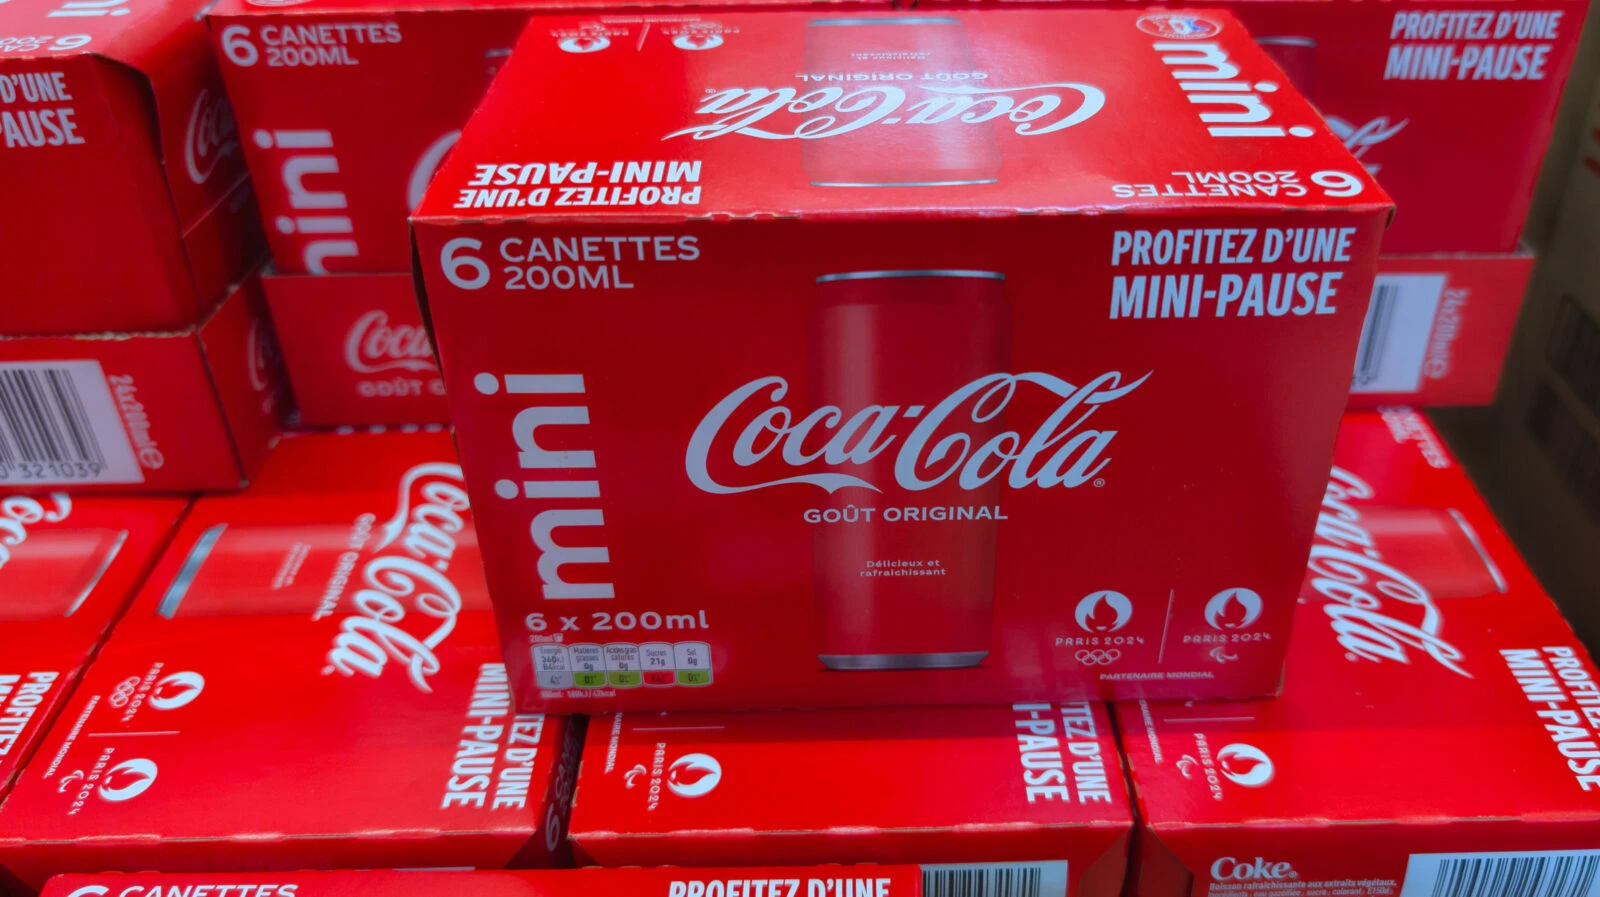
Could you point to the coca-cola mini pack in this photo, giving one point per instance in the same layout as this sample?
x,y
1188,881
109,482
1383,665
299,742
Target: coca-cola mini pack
x,y
835,881
185,410
315,83
356,350
127,199
1438,734
862,360
308,679
68,567
1450,103
1020,800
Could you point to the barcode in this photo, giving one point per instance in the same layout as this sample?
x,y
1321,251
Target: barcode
x,y
1545,873
58,425
1045,879
1394,339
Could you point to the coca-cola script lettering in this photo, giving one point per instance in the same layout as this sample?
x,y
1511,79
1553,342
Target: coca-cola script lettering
x,y
211,137
18,512
1059,452
1347,569
373,346
414,549
830,111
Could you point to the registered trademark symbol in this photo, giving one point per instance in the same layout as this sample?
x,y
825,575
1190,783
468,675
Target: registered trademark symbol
x,y
1099,481
1350,657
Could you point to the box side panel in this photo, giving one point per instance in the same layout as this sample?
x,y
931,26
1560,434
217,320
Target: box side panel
x,y
335,170
578,470
116,414
82,159
356,349
1438,329
246,368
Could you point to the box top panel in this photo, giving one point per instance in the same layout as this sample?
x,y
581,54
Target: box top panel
x,y
67,569
803,114
722,772
878,881
139,33
1422,645
334,642
311,9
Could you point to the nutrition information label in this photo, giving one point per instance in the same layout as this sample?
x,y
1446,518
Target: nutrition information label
x,y
623,665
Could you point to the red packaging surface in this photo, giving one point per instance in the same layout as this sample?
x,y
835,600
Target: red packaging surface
x,y
314,663
737,407
1039,804
67,569
1392,78
315,82
191,409
865,881
1438,328
115,132
356,349
1437,728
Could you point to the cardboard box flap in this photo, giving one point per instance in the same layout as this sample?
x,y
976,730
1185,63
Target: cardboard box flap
x,y
878,116
231,9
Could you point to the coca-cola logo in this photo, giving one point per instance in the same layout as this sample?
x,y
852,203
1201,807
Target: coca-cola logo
x,y
1060,451
18,512
1348,569
407,573
1258,869
1359,139
825,112
428,163
373,345
261,355
212,136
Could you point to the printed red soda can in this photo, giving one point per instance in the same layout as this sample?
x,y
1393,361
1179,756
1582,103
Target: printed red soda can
x,y
1437,547
51,572
251,570
905,576
1297,56
919,141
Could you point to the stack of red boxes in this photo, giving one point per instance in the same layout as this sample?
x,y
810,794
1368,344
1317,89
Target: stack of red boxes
x,y
313,662
67,570
1450,106
907,434
135,354
882,454
317,86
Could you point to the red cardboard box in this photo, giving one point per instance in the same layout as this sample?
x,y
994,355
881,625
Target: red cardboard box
x,y
1425,656
1392,79
1438,328
315,83
867,881
314,664
67,569
356,349
190,409
122,171
922,438
1039,804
